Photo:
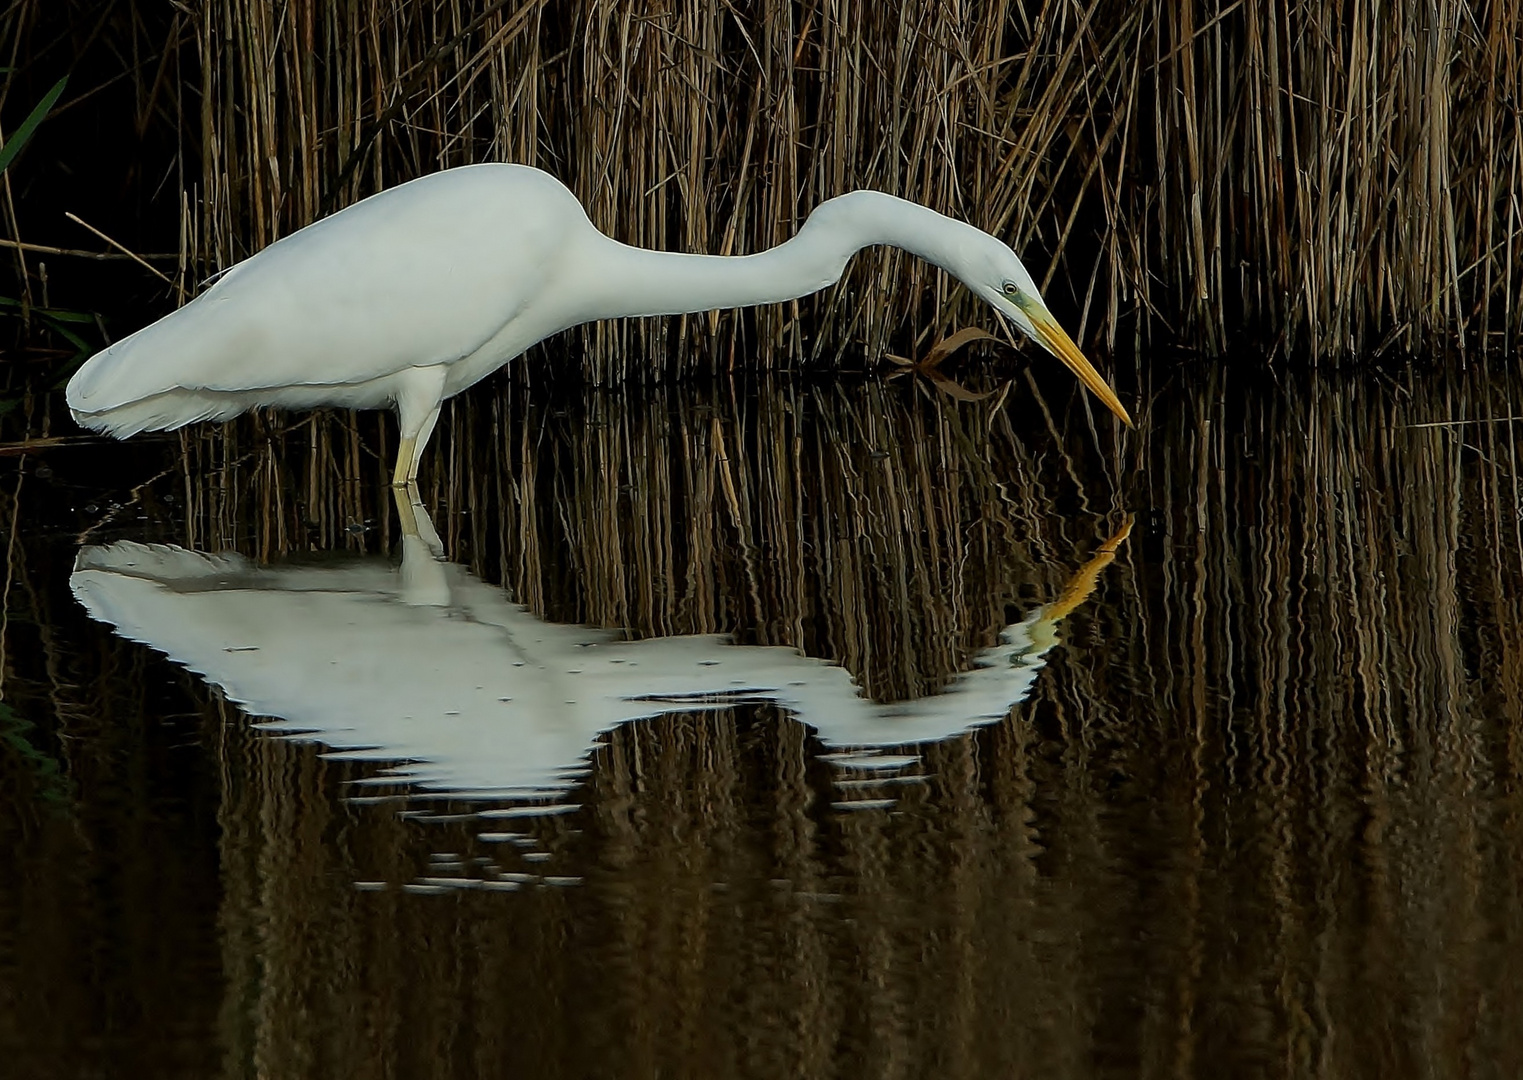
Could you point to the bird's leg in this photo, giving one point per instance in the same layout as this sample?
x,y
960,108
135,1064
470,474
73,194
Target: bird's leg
x,y
406,461
419,443
423,577
407,507
418,393
416,523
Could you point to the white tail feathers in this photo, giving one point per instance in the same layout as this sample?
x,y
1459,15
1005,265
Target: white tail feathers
x,y
162,412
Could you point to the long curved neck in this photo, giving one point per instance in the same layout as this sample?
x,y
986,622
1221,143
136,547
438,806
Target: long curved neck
x,y
636,281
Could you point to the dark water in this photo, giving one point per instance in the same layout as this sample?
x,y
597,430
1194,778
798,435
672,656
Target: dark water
x,y
1242,802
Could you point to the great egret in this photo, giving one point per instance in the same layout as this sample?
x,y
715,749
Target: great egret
x,y
408,297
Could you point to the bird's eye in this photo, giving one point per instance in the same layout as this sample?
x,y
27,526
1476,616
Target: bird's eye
x,y
1011,289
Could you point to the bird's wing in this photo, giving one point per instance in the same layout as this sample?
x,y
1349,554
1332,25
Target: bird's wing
x,y
426,273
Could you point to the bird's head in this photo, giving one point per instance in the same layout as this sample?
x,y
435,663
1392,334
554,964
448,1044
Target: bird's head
x,y
994,272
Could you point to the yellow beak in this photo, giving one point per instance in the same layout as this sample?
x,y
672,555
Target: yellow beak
x,y
1057,342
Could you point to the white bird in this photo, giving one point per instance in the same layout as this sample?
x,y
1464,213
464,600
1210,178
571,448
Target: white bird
x,y
412,295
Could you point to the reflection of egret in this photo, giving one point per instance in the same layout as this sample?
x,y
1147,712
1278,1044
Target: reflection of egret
x,y
433,667
414,294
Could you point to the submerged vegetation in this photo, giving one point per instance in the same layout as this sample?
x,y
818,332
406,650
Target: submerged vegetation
x,y
1312,179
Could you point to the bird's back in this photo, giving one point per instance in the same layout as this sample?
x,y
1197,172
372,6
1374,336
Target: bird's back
x,y
424,273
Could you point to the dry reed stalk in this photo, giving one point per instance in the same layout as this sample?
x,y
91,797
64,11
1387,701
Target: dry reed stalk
x,y
1320,179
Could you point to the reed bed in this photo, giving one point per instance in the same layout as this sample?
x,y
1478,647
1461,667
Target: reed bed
x,y
1314,180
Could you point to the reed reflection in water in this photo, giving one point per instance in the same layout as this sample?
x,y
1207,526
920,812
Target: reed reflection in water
x,y
1257,816
426,665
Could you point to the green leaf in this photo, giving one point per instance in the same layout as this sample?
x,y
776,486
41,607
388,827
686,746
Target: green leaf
x,y
68,335
57,314
57,320
19,137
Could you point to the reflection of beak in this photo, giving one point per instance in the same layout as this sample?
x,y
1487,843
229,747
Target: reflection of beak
x,y
1084,579
1056,341
1042,630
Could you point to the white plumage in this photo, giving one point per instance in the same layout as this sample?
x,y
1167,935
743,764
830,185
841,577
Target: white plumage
x,y
414,294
